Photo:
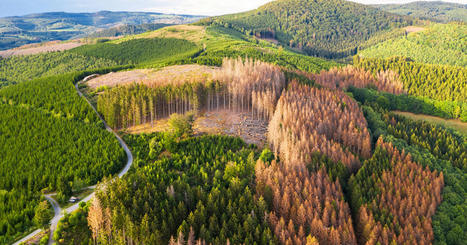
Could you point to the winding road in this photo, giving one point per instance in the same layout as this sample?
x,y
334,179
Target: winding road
x,y
58,214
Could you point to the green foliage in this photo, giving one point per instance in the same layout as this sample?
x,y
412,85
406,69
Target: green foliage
x,y
182,125
433,10
206,184
315,26
37,150
438,44
224,42
420,105
23,68
139,51
448,225
437,82
73,229
441,142
42,214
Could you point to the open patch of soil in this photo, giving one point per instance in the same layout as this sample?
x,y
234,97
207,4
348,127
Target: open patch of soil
x,y
53,46
239,124
414,29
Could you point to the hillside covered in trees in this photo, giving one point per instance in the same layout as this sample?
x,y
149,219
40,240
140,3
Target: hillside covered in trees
x,y
439,11
437,44
314,26
336,167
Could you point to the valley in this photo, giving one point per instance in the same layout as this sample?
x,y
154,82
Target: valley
x,y
299,122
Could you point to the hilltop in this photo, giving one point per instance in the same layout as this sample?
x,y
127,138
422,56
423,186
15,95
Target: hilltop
x,y
437,11
19,30
314,26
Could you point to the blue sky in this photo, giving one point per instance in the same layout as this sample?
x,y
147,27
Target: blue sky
x,y
201,7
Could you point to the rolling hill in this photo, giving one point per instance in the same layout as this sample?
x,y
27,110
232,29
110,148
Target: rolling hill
x,y
19,30
326,28
436,44
436,11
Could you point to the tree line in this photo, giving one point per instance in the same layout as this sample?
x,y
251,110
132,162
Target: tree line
x,y
250,86
439,82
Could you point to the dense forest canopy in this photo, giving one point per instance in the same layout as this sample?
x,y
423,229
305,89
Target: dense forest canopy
x,y
434,44
314,26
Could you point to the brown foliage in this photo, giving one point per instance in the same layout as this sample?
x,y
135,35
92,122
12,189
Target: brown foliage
x,y
305,205
411,194
308,120
387,81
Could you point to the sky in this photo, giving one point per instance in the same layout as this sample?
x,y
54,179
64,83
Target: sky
x,y
196,7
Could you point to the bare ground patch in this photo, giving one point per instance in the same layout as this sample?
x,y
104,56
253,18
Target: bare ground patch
x,y
449,123
414,29
188,32
167,75
53,46
239,124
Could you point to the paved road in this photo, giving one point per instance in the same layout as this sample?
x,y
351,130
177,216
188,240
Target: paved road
x,y
58,214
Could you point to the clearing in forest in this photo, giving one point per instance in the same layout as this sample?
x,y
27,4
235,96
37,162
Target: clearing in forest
x,y
53,46
243,125
188,32
167,75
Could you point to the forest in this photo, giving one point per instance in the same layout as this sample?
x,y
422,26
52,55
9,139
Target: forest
x,y
442,44
314,26
39,151
250,86
337,166
443,83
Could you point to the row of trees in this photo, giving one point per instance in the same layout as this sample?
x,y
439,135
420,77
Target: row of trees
x,y
310,119
396,198
250,86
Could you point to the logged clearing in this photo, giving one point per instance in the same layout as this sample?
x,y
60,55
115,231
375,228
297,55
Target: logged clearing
x,y
449,123
53,46
414,29
188,32
168,75
252,131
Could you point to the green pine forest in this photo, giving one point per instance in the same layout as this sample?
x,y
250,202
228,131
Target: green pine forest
x,y
337,167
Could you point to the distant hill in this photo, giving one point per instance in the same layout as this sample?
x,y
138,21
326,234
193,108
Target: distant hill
x,y
437,11
125,30
19,30
326,28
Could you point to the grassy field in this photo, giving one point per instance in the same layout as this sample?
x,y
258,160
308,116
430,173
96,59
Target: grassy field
x,y
449,123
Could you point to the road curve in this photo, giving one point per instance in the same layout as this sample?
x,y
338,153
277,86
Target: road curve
x,y
58,214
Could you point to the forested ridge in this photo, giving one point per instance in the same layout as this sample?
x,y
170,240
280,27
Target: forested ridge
x,y
337,166
441,44
315,26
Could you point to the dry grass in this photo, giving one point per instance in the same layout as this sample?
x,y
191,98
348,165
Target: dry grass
x,y
414,29
188,32
449,123
168,75
53,46
225,122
